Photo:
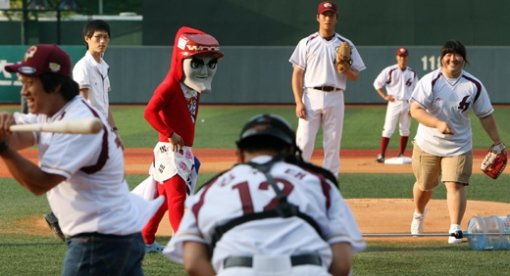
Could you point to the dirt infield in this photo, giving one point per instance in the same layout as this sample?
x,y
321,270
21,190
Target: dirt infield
x,y
373,215
215,160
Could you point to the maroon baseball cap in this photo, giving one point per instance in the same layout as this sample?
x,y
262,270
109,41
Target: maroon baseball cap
x,y
43,58
326,6
402,52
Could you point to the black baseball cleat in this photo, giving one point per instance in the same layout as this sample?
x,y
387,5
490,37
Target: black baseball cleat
x,y
380,158
52,222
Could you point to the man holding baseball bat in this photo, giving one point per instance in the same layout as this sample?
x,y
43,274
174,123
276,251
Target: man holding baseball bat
x,y
82,175
91,74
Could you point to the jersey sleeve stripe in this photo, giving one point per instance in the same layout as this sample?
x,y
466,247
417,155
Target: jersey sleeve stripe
x,y
477,84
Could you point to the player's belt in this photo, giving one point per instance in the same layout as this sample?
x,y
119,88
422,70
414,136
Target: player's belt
x,y
294,260
103,236
327,88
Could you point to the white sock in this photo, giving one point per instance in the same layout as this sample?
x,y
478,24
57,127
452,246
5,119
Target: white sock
x,y
454,227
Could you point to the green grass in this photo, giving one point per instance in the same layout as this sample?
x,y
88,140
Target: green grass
x,y
23,253
434,258
219,126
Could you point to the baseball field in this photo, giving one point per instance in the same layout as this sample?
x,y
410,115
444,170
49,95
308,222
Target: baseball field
x,y
379,195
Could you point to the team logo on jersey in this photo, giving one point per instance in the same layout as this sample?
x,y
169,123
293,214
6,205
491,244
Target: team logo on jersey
x,y
409,82
464,104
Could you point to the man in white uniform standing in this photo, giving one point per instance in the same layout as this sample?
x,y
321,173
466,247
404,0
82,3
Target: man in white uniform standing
x,y
395,84
271,214
81,174
319,90
443,145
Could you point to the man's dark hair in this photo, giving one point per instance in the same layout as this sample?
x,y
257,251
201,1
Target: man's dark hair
x,y
454,46
68,87
93,26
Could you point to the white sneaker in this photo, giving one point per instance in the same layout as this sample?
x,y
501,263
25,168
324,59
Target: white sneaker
x,y
455,229
380,158
154,248
417,223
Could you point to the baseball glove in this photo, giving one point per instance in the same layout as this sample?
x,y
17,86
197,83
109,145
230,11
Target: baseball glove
x,y
495,161
343,57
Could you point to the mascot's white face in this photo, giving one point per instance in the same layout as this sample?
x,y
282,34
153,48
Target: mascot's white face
x,y
199,72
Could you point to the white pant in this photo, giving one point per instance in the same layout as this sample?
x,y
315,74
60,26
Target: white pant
x,y
397,112
326,108
274,266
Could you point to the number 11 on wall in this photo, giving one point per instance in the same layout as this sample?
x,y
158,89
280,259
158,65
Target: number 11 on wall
x,y
430,63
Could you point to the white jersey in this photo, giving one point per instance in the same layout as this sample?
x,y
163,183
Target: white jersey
x,y
244,190
397,82
95,196
94,76
450,100
317,56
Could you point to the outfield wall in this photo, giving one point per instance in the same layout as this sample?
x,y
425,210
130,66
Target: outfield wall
x,y
255,75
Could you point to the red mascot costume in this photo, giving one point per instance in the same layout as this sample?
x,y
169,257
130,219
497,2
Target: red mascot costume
x,y
172,112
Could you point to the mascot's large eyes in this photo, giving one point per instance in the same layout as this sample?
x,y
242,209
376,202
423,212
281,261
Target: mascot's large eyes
x,y
212,64
196,63
199,62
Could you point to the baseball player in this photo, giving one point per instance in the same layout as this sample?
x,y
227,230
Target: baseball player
x,y
172,111
443,145
91,74
271,214
81,175
395,84
319,89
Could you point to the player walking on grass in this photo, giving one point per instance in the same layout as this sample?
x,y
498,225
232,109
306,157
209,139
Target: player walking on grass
x,y
395,84
319,89
441,103
173,111
81,175
271,214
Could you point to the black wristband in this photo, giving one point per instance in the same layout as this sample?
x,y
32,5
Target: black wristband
x,y
3,146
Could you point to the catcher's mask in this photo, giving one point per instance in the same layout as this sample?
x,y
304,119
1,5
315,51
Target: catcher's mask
x,y
267,131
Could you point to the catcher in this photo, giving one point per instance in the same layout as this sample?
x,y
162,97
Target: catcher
x,y
270,214
441,103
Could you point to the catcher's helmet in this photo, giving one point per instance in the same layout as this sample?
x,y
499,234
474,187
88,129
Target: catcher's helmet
x,y
265,129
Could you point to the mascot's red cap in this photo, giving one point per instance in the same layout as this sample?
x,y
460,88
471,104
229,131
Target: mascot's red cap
x,y
189,42
195,44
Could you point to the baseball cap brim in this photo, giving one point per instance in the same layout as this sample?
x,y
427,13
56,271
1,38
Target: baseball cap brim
x,y
42,58
21,68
